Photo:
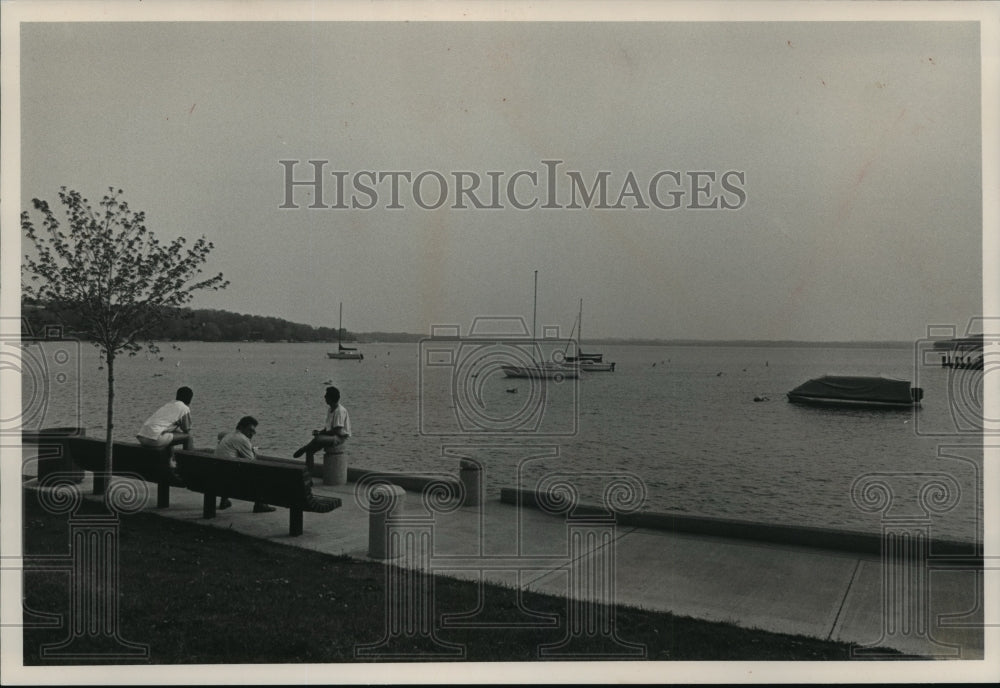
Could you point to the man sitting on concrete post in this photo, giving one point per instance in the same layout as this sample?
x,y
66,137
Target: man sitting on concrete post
x,y
236,445
335,432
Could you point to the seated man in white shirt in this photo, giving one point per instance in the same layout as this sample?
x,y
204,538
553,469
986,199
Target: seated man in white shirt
x,y
170,425
237,445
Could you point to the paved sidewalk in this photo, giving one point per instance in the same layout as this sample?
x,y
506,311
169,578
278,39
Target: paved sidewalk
x,y
799,590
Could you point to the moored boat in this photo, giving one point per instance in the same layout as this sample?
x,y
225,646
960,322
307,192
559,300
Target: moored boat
x,y
590,366
543,371
592,363
847,390
344,353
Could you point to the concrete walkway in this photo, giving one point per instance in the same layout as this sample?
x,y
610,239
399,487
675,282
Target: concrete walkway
x,y
933,611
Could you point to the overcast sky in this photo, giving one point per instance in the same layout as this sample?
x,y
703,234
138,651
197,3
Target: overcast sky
x,y
856,148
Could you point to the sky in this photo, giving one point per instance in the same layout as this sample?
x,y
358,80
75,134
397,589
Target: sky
x,y
852,152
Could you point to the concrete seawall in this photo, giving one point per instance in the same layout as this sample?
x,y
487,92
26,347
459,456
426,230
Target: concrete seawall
x,y
823,538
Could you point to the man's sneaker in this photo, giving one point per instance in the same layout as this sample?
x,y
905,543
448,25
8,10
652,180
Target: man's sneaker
x,y
259,508
224,503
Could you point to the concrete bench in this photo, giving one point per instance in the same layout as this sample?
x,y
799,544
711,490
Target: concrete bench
x,y
53,456
260,480
412,482
128,458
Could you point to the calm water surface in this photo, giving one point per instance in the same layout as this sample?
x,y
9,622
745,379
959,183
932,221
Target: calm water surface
x,y
682,421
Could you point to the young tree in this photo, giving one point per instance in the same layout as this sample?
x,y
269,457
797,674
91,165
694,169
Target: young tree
x,y
105,266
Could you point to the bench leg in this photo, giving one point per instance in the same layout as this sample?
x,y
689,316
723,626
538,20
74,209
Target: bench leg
x,y
209,506
295,521
162,495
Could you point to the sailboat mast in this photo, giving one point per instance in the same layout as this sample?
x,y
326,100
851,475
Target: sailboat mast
x,y
340,325
534,308
579,329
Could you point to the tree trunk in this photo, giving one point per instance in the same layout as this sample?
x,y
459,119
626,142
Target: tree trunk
x,y
111,415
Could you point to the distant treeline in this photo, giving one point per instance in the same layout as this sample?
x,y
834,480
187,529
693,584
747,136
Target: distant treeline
x,y
207,325
791,343
225,326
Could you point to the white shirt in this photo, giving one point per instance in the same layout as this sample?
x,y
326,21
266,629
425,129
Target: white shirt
x,y
168,418
337,417
235,445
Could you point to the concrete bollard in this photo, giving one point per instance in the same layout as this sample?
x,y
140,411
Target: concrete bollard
x,y
334,469
471,473
385,500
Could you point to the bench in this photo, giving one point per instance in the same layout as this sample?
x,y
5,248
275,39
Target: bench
x,y
128,458
275,483
52,455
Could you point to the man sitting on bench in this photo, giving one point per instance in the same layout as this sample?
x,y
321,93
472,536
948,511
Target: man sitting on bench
x,y
236,445
170,425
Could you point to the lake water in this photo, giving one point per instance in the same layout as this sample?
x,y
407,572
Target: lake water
x,y
678,422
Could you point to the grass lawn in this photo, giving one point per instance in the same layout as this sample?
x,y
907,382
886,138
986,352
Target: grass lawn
x,y
201,595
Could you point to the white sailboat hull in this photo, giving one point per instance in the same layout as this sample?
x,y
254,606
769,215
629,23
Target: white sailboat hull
x,y
541,371
592,367
345,355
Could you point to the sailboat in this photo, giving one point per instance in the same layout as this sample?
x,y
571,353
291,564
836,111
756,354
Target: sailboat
x,y
593,363
344,353
543,370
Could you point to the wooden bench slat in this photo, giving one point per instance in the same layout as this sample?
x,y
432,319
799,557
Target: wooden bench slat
x,y
273,482
128,458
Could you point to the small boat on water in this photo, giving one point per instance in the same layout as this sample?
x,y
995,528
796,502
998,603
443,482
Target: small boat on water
x,y
596,366
592,363
344,353
857,391
541,370
971,343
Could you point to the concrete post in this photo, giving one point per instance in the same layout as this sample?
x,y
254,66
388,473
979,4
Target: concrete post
x,y
385,502
471,475
334,469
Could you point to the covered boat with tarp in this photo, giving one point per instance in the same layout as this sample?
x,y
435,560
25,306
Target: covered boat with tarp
x,y
844,390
